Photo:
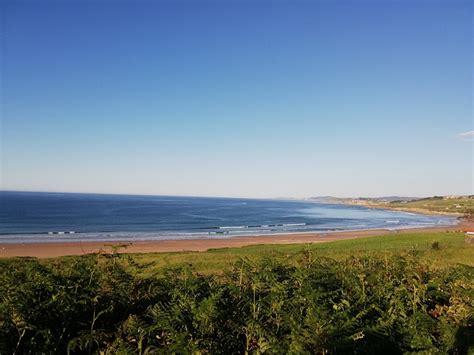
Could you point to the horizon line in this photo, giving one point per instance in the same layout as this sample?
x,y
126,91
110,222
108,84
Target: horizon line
x,y
226,197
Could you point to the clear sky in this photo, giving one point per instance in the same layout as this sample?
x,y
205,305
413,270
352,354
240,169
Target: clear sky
x,y
237,98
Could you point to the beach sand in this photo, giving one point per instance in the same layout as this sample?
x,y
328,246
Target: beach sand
x,y
48,250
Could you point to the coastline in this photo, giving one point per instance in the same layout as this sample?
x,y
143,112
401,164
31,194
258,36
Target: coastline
x,y
426,212
389,207
414,210
50,250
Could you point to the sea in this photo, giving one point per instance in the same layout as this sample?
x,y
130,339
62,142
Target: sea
x,y
72,217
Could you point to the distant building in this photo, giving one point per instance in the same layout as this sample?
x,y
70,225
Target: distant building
x,y
469,238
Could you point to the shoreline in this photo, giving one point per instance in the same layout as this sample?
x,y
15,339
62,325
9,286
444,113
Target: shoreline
x,y
57,249
421,211
416,210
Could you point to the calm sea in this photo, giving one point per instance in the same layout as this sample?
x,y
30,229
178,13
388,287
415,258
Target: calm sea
x,y
49,217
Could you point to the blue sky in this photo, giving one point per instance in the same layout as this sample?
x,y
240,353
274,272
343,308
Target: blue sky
x,y
238,98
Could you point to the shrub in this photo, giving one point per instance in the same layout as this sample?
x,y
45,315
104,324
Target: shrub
x,y
104,303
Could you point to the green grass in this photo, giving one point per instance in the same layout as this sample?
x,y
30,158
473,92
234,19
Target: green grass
x,y
452,250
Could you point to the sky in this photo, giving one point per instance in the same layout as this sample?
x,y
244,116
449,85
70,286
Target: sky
x,y
237,98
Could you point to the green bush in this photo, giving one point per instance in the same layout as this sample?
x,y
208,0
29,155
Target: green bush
x,y
104,303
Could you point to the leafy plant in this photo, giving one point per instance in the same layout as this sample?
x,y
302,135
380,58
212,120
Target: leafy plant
x,y
109,303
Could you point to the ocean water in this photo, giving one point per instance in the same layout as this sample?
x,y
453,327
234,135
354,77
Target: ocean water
x,y
54,217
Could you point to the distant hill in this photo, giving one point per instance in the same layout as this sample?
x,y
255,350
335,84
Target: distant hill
x,y
332,199
453,204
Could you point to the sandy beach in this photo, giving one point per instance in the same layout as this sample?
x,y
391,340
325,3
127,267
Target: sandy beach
x,y
49,250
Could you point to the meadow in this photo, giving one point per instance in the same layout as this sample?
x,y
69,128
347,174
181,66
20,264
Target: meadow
x,y
399,293
216,261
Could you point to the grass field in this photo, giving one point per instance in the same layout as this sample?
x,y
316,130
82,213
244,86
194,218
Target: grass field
x,y
452,250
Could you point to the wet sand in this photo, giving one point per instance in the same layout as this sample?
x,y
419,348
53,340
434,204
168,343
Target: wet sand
x,y
48,250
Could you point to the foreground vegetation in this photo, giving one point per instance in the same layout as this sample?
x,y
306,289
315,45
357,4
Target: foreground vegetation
x,y
396,294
